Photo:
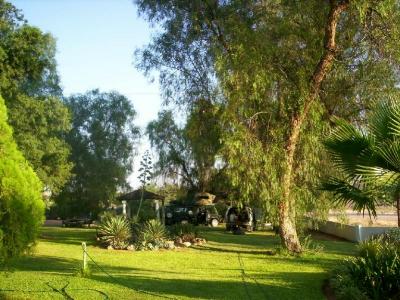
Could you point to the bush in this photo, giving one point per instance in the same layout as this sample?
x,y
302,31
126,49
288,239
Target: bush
x,y
150,235
187,232
21,203
115,232
375,272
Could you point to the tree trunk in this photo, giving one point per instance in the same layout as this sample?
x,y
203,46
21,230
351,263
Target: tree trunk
x,y
287,212
398,210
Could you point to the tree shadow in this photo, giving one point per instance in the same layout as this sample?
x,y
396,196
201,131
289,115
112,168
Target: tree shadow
x,y
227,250
254,239
287,285
69,236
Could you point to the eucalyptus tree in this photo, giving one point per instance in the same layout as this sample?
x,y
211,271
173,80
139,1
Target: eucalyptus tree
x,y
173,150
368,160
188,152
102,140
280,69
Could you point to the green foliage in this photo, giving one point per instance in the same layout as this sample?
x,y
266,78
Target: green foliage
x,y
29,84
367,159
373,273
190,151
257,61
150,235
115,232
174,155
185,231
102,142
21,204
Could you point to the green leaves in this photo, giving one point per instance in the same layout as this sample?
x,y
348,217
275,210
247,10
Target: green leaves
x,y
102,140
21,204
368,159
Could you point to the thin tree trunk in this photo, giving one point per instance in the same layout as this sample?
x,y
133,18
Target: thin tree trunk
x,y
140,203
287,212
398,211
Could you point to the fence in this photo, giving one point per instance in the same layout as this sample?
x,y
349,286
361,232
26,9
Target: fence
x,y
354,233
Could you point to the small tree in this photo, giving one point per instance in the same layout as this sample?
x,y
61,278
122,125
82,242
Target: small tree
x,y
145,175
21,204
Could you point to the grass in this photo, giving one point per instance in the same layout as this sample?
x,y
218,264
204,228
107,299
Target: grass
x,y
227,267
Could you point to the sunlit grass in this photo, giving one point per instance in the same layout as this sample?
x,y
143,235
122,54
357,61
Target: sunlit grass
x,y
212,271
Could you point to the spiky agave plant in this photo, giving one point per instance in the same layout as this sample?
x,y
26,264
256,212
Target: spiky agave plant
x,y
152,231
115,232
368,159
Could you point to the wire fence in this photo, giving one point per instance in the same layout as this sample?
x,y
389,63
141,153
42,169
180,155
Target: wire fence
x,y
115,280
66,293
245,275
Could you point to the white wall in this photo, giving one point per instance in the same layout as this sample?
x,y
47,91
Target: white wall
x,y
354,233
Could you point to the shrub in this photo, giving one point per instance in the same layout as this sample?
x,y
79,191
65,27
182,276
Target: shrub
x,y
115,232
375,272
150,235
187,232
21,203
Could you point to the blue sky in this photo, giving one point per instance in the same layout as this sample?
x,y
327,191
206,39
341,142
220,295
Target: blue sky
x,y
95,44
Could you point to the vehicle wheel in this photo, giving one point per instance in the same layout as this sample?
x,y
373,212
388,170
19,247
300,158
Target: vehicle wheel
x,y
214,223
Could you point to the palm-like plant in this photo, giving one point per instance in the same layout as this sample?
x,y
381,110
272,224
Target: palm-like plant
x,y
368,158
115,232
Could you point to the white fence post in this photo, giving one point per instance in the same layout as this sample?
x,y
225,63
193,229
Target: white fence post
x,y
84,256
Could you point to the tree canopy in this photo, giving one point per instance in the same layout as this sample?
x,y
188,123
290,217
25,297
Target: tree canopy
x,y
29,84
102,141
281,70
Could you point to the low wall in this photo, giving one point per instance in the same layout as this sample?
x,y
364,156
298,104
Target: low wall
x,y
354,233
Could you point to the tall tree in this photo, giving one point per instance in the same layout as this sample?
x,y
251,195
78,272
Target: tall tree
x,y
29,84
102,140
189,151
283,68
174,153
21,205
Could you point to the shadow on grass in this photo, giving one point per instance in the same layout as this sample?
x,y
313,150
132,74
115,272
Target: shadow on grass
x,y
69,236
227,250
254,239
282,286
46,264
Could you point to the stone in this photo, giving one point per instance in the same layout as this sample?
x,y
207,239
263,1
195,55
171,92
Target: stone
x,y
178,240
170,245
110,247
187,244
130,248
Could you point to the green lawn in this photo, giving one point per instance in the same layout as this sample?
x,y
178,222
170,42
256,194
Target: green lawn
x,y
227,267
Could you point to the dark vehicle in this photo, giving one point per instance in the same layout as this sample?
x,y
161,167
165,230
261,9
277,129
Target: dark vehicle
x,y
240,218
76,222
207,215
197,214
175,214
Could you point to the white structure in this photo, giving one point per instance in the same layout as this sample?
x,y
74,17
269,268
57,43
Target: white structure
x,y
354,233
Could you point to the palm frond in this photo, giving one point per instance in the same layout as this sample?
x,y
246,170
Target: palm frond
x,y
385,121
349,194
349,147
